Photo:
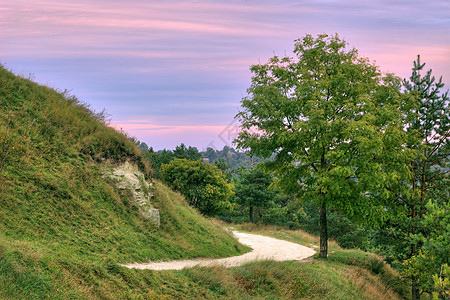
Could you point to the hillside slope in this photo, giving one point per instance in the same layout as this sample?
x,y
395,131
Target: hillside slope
x,y
59,214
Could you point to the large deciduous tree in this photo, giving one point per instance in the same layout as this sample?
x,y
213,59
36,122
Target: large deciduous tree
x,y
330,125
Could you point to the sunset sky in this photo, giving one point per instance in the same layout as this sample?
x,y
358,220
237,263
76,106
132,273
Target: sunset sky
x,y
171,72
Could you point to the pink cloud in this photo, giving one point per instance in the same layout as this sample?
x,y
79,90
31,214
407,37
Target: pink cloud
x,y
167,136
143,126
399,58
58,17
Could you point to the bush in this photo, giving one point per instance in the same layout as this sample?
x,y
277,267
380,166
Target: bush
x,y
203,185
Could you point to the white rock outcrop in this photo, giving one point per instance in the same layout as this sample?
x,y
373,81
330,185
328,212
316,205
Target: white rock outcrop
x,y
127,176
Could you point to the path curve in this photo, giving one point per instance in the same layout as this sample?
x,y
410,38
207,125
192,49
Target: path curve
x,y
263,248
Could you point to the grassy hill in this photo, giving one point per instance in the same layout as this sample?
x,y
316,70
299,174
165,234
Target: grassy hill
x,y
64,228
59,217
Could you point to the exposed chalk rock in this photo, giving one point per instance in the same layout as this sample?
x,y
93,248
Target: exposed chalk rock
x,y
127,176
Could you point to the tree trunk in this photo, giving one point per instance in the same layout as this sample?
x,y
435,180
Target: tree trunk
x,y
251,214
323,232
415,292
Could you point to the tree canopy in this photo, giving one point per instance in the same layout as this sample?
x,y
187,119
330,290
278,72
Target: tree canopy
x,y
332,122
165,156
189,153
417,238
203,185
252,190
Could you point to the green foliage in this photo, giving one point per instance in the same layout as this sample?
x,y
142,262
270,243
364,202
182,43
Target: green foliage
x,y
190,153
224,167
166,156
234,159
331,121
437,222
442,283
419,267
159,158
252,190
376,266
228,160
203,185
346,233
426,265
416,236
286,211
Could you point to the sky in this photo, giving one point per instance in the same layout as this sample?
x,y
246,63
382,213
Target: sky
x,y
172,72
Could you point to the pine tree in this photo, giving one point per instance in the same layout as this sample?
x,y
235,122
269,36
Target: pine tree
x,y
428,124
410,238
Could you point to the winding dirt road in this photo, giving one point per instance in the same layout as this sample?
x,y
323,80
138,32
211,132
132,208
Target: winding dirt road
x,y
264,248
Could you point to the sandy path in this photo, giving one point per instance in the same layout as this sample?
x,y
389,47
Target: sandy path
x,y
263,248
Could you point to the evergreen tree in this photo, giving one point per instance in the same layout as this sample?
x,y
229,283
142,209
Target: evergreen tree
x,y
252,190
410,238
224,167
190,153
159,158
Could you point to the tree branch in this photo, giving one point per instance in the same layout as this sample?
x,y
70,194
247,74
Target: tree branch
x,y
439,174
312,164
446,135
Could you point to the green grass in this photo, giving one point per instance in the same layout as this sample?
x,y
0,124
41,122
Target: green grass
x,y
371,272
63,279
